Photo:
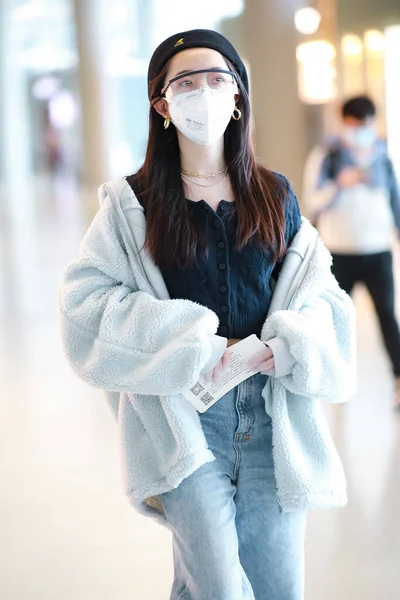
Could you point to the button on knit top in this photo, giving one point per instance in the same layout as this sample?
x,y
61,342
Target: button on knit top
x,y
235,284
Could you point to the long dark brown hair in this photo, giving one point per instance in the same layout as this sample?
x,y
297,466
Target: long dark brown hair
x,y
172,237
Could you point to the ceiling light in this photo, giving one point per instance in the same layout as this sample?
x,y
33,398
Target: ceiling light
x,y
307,20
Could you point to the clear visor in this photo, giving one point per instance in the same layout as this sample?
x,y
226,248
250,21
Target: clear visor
x,y
195,81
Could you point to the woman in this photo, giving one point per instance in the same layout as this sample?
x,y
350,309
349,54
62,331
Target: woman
x,y
178,264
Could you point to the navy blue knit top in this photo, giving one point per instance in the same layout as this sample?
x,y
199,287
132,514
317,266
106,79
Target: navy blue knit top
x,y
235,284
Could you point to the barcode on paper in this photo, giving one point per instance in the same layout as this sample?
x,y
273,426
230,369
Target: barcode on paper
x,y
197,389
207,398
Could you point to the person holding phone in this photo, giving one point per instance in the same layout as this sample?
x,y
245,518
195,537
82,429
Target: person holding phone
x,y
352,194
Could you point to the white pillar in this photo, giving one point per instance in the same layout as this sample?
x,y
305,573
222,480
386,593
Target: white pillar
x,y
392,35
91,40
269,40
17,204
15,130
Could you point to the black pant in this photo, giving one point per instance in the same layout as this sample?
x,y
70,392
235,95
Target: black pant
x,y
375,271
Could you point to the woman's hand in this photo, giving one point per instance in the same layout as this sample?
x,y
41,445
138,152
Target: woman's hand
x,y
221,366
263,361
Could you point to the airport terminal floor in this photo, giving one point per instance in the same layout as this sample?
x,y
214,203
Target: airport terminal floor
x,y
66,530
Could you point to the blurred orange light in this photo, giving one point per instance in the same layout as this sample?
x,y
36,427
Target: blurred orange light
x,y
316,52
316,72
352,47
374,41
307,20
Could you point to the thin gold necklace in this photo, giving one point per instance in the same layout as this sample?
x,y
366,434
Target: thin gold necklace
x,y
210,176
222,176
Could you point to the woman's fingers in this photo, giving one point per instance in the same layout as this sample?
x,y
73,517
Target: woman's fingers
x,y
216,372
268,365
221,367
226,359
260,358
262,361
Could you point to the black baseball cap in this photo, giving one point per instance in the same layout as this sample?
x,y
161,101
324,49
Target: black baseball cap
x,y
196,38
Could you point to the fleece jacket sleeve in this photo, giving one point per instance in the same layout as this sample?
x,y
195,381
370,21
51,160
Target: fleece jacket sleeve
x,y
119,338
316,355
284,361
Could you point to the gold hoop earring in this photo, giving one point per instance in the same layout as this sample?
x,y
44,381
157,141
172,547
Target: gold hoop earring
x,y
167,121
239,114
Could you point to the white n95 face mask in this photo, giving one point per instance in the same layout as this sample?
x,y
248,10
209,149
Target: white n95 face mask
x,y
202,117
360,137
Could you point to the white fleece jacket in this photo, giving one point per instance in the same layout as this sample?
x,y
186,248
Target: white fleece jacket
x,y
316,320
123,334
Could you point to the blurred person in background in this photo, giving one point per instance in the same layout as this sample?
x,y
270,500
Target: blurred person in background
x,y
178,264
351,193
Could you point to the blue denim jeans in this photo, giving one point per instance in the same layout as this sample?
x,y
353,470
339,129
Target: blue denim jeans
x,y
230,539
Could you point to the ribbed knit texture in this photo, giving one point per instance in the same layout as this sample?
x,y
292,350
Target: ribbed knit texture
x,y
236,285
